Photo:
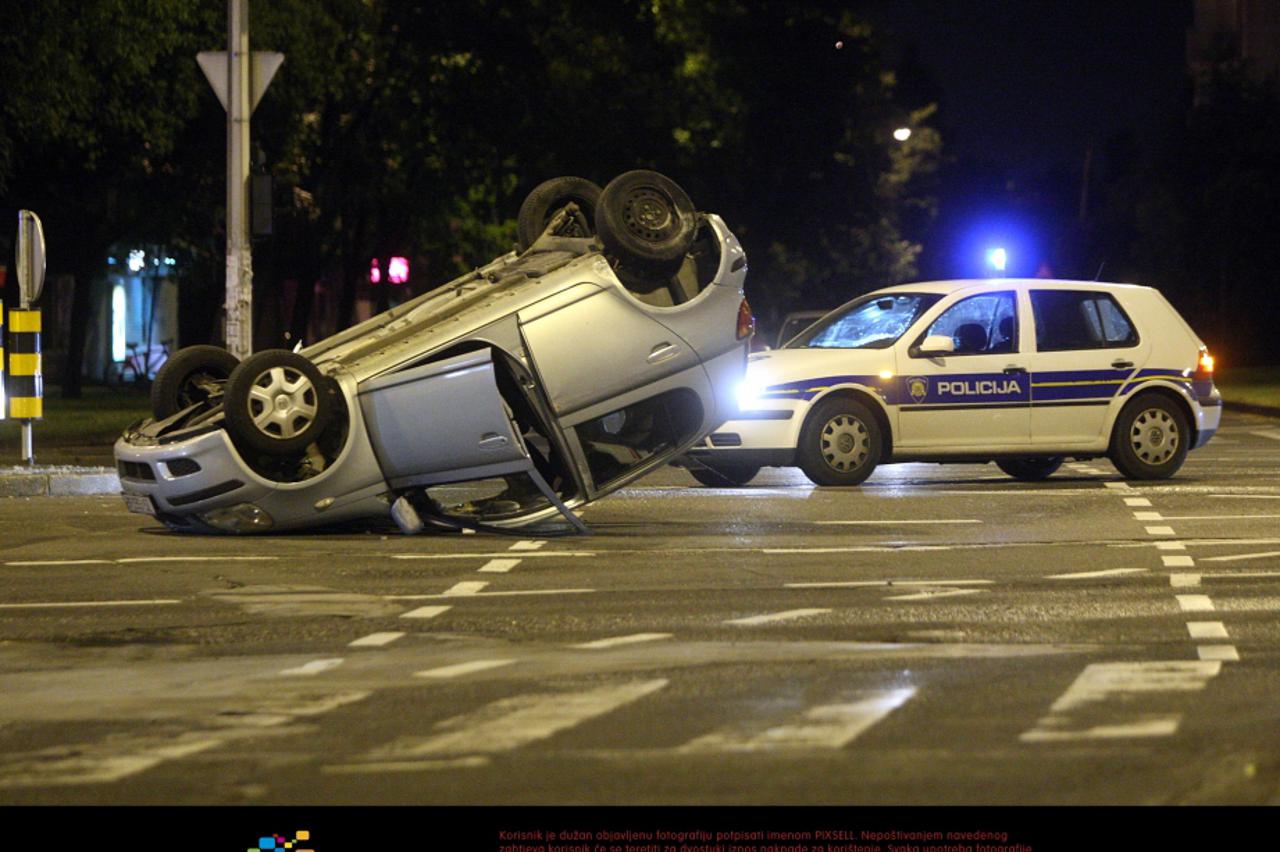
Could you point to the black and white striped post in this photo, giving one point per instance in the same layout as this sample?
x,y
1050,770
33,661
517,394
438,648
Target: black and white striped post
x,y
24,382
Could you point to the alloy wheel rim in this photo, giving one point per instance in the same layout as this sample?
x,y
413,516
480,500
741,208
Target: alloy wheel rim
x,y
282,402
845,443
1154,437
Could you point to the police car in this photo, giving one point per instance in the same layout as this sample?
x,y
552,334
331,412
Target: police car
x,y
1022,372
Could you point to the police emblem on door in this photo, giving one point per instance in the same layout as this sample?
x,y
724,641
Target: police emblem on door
x,y
918,388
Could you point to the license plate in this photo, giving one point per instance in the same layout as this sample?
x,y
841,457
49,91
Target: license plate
x,y
139,503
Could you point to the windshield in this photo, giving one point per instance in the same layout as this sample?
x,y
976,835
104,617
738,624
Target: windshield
x,y
872,322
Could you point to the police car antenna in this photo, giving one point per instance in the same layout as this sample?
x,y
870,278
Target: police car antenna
x,y
1101,266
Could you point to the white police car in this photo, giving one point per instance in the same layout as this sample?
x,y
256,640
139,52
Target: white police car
x,y
1022,372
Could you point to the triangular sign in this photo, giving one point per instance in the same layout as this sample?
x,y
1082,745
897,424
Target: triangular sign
x,y
264,67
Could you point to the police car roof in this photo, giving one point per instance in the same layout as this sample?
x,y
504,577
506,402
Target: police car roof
x,y
953,286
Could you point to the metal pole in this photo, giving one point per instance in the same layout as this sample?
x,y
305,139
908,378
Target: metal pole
x,y
239,300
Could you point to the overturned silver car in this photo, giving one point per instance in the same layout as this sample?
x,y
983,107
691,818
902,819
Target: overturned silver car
x,y
606,345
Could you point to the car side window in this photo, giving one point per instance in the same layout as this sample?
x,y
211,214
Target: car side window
x,y
980,325
1080,319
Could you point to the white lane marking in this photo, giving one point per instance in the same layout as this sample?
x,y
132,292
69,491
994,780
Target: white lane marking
x,y
1136,501
1226,653
896,523
1178,561
1195,603
826,726
499,555
55,604
1232,575
1246,496
375,640
406,766
614,641
1084,575
1101,681
771,617
135,559
1119,486
314,667
864,548
527,545
1240,556
863,583
1159,530
510,723
1148,516
1170,545
1207,630
426,612
499,566
940,593
1220,517
460,669
489,594
31,563
1273,434
100,763
470,587
1159,726
1184,580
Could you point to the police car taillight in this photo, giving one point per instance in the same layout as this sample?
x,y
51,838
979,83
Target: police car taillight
x,y
746,322
1204,367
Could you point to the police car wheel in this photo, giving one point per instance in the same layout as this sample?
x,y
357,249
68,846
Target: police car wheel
x,y
277,402
840,443
1030,470
1151,438
723,475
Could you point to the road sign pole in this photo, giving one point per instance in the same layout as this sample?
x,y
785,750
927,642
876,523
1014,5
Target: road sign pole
x,y
239,298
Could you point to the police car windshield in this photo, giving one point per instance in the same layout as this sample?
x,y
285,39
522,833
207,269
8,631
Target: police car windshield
x,y
872,322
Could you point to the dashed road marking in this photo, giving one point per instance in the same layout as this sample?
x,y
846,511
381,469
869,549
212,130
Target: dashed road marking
x,y
1184,580
1085,575
490,594
826,726
375,640
499,566
1171,545
1224,653
460,669
1148,516
314,667
426,612
575,554
527,545
57,604
1178,561
1159,530
468,587
1220,517
1136,501
773,617
1207,630
1195,603
615,641
1118,486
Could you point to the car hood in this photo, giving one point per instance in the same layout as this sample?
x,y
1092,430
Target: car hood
x,y
784,368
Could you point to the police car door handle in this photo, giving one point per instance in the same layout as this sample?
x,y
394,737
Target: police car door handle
x,y
1121,364
1015,371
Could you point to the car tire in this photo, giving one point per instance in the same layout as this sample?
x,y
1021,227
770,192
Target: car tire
x,y
646,222
187,378
1030,470
277,402
724,474
547,198
1151,438
840,443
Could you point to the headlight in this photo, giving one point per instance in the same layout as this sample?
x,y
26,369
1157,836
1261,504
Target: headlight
x,y
240,518
749,392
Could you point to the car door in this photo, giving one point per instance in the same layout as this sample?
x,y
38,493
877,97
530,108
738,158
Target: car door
x,y
624,387
1086,348
976,397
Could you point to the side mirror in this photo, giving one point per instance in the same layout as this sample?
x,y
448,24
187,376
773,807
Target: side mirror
x,y
30,257
935,345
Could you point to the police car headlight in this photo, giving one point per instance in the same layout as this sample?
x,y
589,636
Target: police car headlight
x,y
749,392
240,518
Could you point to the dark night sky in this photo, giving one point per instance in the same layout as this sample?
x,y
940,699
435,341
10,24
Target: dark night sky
x,y
1028,82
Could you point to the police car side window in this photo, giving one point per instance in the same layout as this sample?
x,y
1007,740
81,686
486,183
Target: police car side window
x,y
980,325
1080,319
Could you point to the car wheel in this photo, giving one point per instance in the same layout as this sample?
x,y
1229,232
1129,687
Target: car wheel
x,y
725,475
277,402
840,443
1151,438
190,376
647,222
1030,470
547,199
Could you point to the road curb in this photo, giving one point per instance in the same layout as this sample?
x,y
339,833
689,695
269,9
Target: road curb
x,y
58,481
1247,408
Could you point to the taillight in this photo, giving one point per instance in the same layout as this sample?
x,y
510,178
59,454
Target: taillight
x,y
746,322
1204,367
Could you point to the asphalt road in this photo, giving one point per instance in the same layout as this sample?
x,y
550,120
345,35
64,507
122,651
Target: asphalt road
x,y
941,635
